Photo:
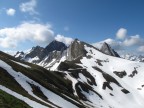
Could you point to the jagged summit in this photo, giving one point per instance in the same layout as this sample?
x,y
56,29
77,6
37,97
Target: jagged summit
x,y
37,48
106,49
45,55
56,50
53,46
19,54
35,51
75,50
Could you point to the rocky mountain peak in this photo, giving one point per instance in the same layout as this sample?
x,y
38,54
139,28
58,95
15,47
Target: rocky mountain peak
x,y
19,54
37,48
53,46
76,50
35,51
106,49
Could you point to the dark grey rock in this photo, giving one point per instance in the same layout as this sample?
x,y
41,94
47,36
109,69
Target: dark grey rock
x,y
35,51
53,46
19,55
76,50
106,49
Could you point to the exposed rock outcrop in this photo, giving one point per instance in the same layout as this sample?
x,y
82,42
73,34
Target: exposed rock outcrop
x,y
75,50
106,49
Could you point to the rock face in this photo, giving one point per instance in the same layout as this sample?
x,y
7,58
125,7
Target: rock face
x,y
106,49
19,55
35,51
43,56
53,55
75,50
53,46
54,52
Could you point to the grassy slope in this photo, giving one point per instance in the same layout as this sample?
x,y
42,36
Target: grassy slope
x,y
8,101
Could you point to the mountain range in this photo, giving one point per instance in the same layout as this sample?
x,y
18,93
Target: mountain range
x,y
55,51
75,76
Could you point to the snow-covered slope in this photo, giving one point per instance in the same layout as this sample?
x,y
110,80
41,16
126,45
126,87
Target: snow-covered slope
x,y
99,77
105,81
119,81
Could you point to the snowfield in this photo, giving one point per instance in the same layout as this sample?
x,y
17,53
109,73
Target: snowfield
x,y
109,64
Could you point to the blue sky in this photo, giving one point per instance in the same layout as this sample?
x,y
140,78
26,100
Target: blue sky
x,y
88,20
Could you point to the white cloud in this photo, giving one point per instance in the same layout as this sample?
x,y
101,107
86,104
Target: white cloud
x,y
29,7
117,45
66,28
128,44
109,41
66,40
10,12
132,40
99,44
121,33
141,49
34,32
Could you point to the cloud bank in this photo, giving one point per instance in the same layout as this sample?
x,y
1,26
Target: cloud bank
x,y
34,32
133,40
29,31
40,34
123,42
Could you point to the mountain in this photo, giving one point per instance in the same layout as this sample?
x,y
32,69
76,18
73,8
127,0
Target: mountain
x,y
82,75
50,55
35,51
53,46
104,80
75,50
19,55
125,54
132,57
106,49
43,55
